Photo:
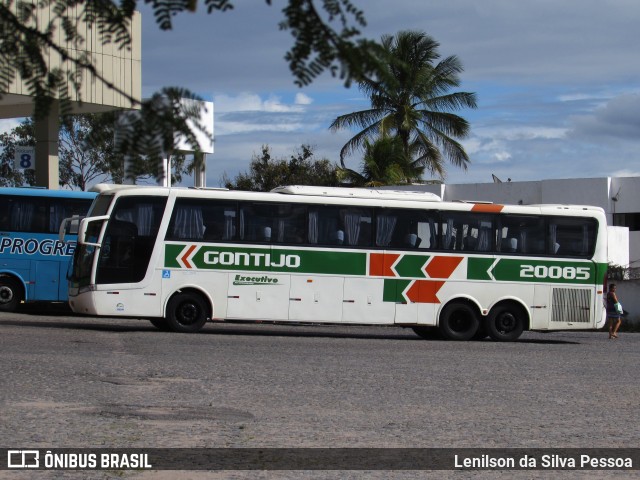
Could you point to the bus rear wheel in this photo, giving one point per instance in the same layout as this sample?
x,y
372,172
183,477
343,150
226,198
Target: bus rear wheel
x,y
10,294
459,321
186,313
506,322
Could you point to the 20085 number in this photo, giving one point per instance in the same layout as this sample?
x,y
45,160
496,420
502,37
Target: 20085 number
x,y
555,271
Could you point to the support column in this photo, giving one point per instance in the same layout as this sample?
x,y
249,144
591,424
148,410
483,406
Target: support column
x,y
47,164
200,170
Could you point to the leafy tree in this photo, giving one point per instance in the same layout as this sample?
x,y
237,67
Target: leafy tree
x,y
266,173
326,37
22,135
81,166
411,101
384,163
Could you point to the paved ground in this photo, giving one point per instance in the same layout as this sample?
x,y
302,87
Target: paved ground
x,y
76,382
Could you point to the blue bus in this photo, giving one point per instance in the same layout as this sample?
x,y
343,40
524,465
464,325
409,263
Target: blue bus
x,y
33,261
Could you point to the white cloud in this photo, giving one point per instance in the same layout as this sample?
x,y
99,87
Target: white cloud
x,y
524,132
231,128
253,102
502,156
302,99
578,97
625,173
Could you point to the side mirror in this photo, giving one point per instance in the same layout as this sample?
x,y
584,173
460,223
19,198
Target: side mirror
x,y
69,226
82,230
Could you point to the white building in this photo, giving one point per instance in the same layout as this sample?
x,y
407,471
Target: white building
x,y
618,196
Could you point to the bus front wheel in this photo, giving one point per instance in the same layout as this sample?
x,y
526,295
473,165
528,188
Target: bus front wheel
x,y
459,321
10,294
186,313
506,322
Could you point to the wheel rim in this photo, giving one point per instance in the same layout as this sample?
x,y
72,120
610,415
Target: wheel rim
x,y
6,294
188,314
461,321
506,322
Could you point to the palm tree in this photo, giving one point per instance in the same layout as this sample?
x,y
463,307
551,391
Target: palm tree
x,y
384,163
411,101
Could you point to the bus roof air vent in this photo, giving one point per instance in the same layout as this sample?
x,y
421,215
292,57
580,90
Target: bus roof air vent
x,y
358,193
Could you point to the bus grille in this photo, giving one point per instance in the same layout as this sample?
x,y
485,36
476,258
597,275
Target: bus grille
x,y
571,305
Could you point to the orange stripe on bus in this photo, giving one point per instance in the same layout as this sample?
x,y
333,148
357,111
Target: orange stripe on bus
x,y
185,257
487,208
424,291
376,264
380,264
442,267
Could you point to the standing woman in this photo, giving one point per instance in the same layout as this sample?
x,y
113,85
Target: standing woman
x,y
614,311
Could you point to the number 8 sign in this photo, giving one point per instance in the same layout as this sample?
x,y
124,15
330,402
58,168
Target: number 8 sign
x,y
24,158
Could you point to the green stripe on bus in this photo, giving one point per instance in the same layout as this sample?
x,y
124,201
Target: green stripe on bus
x,y
478,268
526,270
392,291
207,257
410,266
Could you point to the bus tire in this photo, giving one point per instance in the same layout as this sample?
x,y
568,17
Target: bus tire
x,y
506,322
482,333
459,321
428,333
160,323
186,312
10,294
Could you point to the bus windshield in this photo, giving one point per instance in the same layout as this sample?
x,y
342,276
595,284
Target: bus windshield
x,y
125,250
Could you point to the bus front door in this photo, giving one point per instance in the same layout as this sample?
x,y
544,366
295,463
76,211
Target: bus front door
x,y
47,285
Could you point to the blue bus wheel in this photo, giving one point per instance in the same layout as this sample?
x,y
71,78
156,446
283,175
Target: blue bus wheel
x,y
10,294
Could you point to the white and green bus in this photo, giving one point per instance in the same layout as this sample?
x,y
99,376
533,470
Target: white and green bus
x,y
464,270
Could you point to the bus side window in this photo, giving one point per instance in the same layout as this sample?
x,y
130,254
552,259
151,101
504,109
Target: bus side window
x,y
449,234
405,229
187,223
5,219
521,234
22,215
219,219
509,245
59,209
571,237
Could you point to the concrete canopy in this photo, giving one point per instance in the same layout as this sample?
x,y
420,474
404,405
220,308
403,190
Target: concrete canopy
x,y
120,67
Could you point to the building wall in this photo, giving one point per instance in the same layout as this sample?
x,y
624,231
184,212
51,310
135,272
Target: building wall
x,y
626,191
628,292
618,242
121,67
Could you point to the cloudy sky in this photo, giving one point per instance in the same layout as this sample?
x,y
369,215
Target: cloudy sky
x,y
558,82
